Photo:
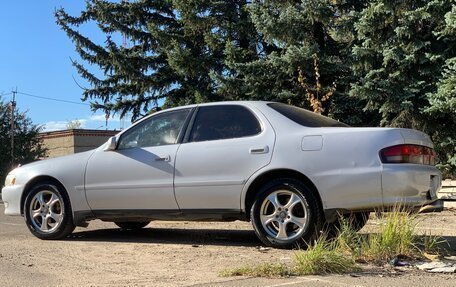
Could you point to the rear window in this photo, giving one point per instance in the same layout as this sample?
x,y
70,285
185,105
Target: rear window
x,y
304,117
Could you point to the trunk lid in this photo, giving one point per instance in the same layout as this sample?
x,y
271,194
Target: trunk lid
x,y
416,137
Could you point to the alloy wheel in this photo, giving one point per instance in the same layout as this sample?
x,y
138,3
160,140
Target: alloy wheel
x,y
284,215
46,211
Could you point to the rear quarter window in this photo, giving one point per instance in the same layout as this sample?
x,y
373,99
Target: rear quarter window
x,y
304,117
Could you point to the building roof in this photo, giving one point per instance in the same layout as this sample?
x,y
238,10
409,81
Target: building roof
x,y
77,132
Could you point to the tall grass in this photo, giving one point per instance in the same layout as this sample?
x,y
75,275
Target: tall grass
x,y
396,236
323,257
431,244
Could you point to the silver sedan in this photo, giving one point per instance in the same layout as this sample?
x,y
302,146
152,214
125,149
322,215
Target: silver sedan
x,y
287,170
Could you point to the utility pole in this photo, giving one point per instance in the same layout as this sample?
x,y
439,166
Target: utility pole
x,y
12,108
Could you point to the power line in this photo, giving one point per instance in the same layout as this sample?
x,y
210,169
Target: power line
x,y
53,99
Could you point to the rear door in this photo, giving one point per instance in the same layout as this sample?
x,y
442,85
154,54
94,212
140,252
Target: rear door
x,y
225,146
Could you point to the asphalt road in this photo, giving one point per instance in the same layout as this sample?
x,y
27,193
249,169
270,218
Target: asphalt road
x,y
177,254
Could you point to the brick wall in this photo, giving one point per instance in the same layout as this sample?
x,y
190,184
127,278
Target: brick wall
x,y
66,142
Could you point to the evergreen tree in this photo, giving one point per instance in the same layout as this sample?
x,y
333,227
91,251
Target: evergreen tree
x,y
176,51
401,54
27,146
367,63
442,102
302,55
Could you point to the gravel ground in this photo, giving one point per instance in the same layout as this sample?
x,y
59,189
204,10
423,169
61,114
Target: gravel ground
x,y
178,254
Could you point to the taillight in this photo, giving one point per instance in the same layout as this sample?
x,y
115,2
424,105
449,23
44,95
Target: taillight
x,y
408,153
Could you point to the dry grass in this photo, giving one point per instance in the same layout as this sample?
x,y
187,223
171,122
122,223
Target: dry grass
x,y
323,257
270,270
396,237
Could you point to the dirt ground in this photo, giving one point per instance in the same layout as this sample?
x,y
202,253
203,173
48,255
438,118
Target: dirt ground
x,y
177,254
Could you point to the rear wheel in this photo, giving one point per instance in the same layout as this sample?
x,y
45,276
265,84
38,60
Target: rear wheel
x,y
48,213
286,214
355,220
132,225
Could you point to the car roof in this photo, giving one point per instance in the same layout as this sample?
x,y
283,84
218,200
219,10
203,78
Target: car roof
x,y
219,103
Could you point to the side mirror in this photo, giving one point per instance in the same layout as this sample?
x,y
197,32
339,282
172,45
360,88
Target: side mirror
x,y
112,144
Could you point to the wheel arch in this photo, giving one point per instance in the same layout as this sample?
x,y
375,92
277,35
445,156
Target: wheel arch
x,y
263,178
40,179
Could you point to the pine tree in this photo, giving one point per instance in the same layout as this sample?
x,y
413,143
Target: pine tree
x,y
367,63
176,51
399,59
27,146
296,39
442,102
394,59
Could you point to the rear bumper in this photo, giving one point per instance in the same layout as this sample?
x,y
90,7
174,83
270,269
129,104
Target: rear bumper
x,y
410,185
436,206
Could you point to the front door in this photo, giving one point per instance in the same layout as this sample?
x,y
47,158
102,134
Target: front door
x,y
138,175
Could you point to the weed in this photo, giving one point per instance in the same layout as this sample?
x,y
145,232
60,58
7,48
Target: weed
x,y
396,236
323,258
430,244
349,241
269,270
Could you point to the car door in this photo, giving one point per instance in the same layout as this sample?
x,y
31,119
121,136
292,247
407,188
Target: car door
x,y
226,145
138,174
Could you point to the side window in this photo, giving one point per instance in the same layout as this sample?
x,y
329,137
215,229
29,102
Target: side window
x,y
224,122
158,130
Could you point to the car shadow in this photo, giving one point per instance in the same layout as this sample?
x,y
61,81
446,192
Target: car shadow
x,y
216,237
170,236
443,244
448,245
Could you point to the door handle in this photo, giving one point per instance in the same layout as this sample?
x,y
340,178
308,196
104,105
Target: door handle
x,y
165,158
259,149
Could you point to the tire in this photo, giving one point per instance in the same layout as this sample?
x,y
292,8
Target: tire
x,y
48,212
132,225
356,220
286,214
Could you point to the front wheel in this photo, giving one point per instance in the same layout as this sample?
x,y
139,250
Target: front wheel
x,y
286,214
48,212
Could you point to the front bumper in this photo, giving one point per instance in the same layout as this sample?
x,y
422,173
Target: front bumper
x,y
11,197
